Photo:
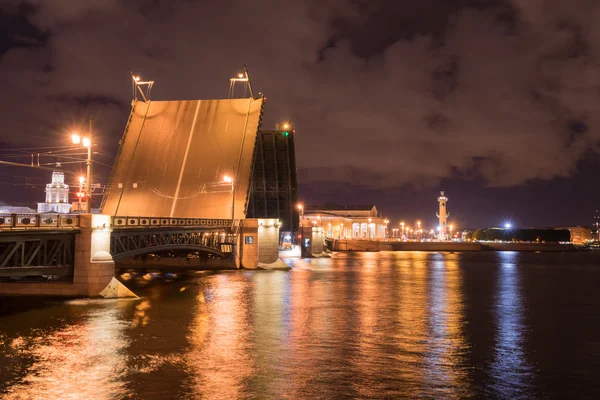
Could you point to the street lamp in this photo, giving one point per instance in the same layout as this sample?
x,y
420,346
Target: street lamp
x,y
80,193
86,141
301,212
451,227
402,225
229,179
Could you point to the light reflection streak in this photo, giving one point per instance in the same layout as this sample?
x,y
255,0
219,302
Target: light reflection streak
x,y
411,335
219,360
510,370
80,361
447,344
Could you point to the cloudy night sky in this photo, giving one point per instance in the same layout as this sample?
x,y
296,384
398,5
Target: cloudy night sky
x,y
493,101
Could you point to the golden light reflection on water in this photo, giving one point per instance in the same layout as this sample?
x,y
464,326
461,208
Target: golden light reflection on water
x,y
219,360
447,344
82,360
372,325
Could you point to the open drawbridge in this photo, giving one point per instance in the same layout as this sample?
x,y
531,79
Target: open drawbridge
x,y
185,159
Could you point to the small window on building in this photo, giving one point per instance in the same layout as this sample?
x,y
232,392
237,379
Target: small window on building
x,y
248,239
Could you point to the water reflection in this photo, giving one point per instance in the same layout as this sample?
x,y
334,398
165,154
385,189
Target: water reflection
x,y
219,360
375,325
510,371
447,348
82,360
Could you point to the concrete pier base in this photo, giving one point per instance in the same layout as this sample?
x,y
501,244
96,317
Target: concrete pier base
x,y
258,243
312,241
93,264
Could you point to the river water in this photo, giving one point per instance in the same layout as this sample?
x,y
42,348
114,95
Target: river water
x,y
372,325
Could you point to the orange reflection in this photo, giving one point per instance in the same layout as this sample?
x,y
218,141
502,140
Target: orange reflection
x,y
447,320
83,360
219,359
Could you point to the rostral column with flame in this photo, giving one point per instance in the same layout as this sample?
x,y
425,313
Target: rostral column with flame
x,y
443,215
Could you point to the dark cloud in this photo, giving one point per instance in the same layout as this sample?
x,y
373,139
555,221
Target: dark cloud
x,y
382,93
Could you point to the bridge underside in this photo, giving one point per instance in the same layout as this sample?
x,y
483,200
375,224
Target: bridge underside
x,y
175,154
130,243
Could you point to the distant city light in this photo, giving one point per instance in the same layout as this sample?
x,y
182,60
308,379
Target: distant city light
x,y
75,138
81,179
439,228
227,179
507,225
86,142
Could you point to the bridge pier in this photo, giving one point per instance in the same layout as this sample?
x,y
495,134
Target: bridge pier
x,y
93,265
312,241
258,243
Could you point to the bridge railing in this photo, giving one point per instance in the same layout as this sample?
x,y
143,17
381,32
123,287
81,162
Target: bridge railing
x,y
38,221
168,222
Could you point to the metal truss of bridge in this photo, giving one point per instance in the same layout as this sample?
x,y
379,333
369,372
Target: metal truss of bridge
x,y
273,188
135,242
34,253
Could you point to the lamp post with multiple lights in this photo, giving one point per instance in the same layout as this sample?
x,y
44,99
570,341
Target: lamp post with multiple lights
x,y
86,141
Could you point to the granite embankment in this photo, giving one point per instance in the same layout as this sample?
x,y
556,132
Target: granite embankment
x,y
373,245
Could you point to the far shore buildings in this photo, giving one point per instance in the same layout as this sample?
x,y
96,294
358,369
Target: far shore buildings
x,y
57,194
346,221
580,234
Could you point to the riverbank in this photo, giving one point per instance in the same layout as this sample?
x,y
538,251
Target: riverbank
x,y
371,245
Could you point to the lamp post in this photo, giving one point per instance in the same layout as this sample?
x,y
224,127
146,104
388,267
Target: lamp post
x,y
385,233
301,213
86,141
451,227
228,179
80,193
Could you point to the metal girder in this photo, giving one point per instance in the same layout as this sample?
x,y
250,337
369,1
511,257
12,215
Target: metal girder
x,y
23,254
127,242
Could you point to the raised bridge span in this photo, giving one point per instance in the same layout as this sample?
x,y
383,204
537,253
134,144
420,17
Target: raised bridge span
x,y
185,159
182,180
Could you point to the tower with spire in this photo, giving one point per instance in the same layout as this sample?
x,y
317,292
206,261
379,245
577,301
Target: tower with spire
x,y
443,215
57,194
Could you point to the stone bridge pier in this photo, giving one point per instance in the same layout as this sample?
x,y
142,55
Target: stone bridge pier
x,y
93,267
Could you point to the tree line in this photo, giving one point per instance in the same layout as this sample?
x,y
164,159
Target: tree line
x,y
522,235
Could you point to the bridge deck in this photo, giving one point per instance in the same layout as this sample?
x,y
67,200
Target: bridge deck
x,y
175,154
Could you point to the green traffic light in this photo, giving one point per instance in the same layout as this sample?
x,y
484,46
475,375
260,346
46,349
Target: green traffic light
x,y
286,133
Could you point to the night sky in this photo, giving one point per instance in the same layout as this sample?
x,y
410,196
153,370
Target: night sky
x,y
493,101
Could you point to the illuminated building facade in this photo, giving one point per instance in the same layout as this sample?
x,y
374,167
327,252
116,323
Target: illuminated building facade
x,y
346,221
57,195
580,234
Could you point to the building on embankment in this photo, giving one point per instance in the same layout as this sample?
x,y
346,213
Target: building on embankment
x,y
579,234
346,221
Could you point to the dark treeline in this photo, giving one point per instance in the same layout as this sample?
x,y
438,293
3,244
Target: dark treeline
x,y
523,235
